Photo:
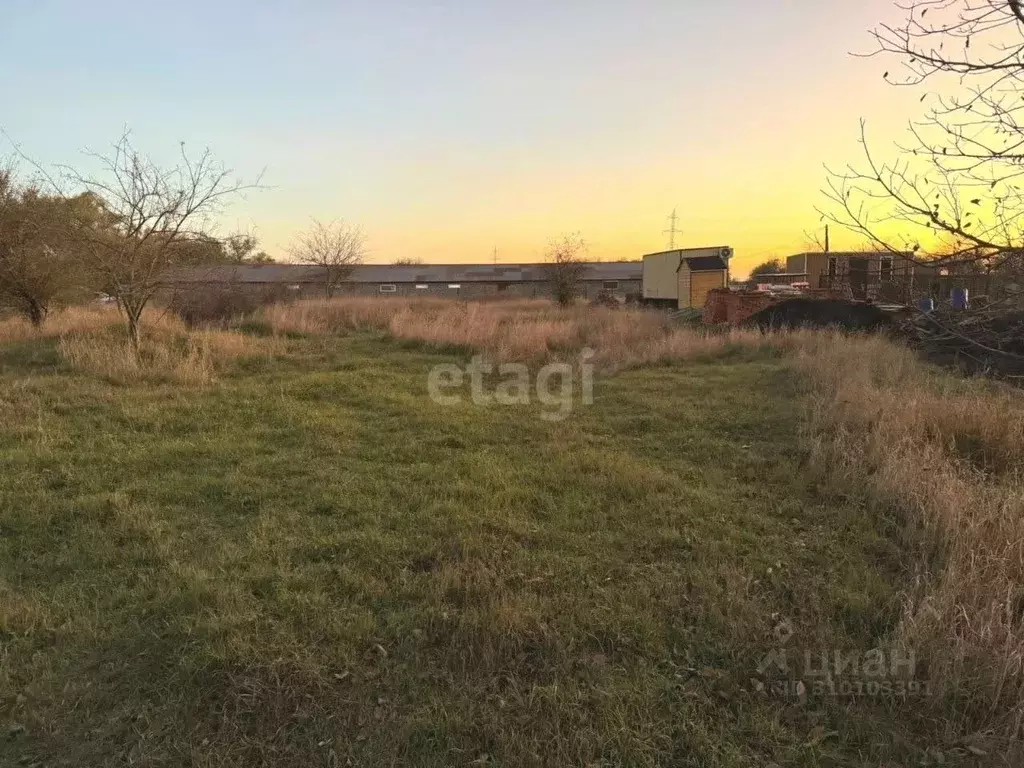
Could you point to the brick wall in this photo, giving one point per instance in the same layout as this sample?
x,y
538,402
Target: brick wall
x,y
733,307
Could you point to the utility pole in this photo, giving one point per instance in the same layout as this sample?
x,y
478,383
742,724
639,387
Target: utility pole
x,y
495,254
672,231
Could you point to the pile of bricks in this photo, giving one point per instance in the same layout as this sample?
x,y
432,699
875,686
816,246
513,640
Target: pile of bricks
x,y
733,307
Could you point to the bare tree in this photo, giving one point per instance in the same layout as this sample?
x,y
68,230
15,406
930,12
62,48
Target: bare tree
x,y
336,248
407,262
158,215
566,267
38,268
952,194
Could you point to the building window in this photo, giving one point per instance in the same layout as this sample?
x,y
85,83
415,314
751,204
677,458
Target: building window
x,y
610,285
387,288
885,269
454,286
422,287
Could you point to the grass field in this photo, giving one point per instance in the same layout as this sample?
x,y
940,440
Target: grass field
x,y
298,559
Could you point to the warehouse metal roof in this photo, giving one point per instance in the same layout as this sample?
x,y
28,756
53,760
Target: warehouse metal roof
x,y
683,251
387,273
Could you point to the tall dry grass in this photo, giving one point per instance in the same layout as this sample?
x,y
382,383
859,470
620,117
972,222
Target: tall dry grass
x,y
106,356
169,352
947,454
86,319
523,330
91,339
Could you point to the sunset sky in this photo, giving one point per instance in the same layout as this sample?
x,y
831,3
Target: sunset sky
x,y
447,129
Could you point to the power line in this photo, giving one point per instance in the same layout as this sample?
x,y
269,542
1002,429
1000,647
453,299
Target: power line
x,y
672,231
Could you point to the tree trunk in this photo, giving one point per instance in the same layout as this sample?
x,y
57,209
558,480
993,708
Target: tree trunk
x,y
134,330
36,313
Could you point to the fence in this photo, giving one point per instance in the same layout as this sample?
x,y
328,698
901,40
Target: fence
x,y
908,288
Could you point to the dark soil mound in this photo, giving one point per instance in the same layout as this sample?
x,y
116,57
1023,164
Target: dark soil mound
x,y
821,313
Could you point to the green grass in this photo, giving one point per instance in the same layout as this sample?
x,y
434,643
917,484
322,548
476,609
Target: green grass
x,y
308,563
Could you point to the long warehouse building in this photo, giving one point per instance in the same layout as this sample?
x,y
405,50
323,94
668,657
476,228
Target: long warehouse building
x,y
621,278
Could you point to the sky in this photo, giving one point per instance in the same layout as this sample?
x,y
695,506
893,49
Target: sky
x,y
449,129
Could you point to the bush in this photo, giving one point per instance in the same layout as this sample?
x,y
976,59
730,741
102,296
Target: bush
x,y
219,304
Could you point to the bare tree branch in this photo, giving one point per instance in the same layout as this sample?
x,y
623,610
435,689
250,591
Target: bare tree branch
x,y
952,195
336,248
566,267
154,215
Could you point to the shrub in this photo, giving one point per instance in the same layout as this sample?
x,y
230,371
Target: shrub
x,y
219,304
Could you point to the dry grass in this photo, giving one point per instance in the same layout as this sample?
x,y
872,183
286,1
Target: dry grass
x,y
87,319
106,356
72,320
526,329
166,355
222,346
92,340
947,455
518,330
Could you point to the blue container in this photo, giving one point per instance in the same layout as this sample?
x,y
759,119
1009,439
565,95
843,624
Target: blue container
x,y
926,305
959,297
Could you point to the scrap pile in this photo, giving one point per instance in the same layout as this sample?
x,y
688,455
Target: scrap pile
x,y
988,338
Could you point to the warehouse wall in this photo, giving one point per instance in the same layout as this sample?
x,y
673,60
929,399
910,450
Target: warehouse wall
x,y
660,275
589,289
